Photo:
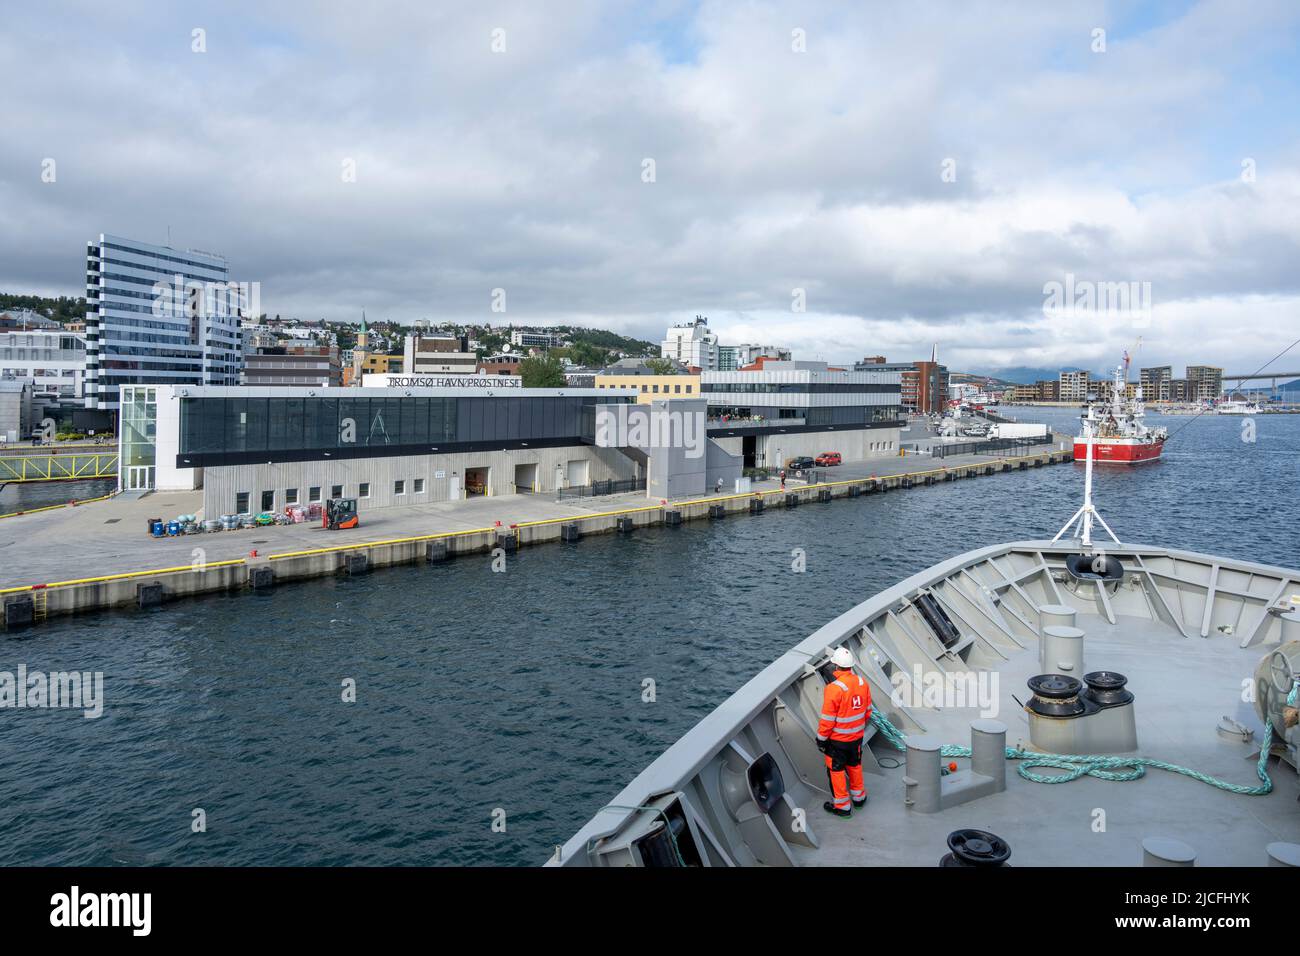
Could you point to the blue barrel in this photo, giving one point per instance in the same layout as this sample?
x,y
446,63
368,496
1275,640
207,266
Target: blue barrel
x,y
173,528
156,529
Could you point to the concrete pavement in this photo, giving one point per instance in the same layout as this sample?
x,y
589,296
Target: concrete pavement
x,y
111,537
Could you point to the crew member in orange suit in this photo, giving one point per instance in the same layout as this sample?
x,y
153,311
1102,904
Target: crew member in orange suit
x,y
846,708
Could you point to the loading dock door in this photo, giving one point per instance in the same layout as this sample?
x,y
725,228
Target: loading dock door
x,y
577,474
525,479
476,482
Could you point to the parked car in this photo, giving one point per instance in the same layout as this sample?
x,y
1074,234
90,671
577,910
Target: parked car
x,y
828,458
798,464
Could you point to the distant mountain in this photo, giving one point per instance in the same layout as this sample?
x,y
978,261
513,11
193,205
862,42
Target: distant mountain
x,y
1024,375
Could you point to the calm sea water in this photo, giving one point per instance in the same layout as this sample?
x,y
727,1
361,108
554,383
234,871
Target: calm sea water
x,y
519,691
38,494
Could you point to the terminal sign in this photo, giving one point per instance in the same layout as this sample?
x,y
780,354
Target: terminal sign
x,y
441,381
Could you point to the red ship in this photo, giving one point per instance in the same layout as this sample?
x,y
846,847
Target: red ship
x,y
1119,434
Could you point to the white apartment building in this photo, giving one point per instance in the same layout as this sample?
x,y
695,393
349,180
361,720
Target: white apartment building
x,y
536,340
53,361
1074,387
692,344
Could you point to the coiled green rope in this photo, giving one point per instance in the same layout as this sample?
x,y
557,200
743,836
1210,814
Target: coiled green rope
x,y
1102,767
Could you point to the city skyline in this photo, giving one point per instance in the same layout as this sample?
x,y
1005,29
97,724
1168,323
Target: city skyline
x,y
898,199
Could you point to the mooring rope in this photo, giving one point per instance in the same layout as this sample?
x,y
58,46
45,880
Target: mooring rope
x,y
1103,767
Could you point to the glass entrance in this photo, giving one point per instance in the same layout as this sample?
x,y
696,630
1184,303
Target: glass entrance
x,y
138,478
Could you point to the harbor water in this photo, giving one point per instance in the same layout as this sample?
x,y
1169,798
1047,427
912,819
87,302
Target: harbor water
x,y
495,712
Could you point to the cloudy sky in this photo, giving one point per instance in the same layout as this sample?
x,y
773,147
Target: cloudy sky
x,y
920,170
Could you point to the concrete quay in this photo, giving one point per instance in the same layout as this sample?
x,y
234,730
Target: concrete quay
x,y
99,555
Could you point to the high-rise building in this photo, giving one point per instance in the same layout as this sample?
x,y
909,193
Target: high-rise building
x,y
1204,382
1156,383
158,316
1074,386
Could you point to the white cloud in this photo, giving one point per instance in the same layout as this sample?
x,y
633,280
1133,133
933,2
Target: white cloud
x,y
776,170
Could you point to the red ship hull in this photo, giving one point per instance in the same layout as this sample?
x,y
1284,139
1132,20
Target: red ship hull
x,y
1119,451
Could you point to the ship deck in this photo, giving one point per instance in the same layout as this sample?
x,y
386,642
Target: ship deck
x,y
1188,631
1182,687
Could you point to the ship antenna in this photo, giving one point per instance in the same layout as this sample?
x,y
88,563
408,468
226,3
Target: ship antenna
x,y
1084,517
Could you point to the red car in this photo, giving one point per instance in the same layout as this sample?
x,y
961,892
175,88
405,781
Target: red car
x,y
828,458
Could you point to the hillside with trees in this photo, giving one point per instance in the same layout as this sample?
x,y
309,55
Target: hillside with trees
x,y
62,309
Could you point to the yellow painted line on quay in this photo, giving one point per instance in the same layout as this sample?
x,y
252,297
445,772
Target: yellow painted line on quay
x,y
123,576
66,504
379,544
454,534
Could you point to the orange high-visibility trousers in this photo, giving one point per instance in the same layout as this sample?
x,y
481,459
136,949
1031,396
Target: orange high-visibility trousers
x,y
844,768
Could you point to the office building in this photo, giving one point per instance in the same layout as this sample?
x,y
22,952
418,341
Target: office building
x,y
790,409
438,355
301,365
53,361
159,315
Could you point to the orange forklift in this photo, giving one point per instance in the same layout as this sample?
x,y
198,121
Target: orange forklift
x,y
341,513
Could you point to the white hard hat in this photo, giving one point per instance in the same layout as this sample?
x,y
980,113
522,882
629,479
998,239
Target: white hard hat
x,y
842,657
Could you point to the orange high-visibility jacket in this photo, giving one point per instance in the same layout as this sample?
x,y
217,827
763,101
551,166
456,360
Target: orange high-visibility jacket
x,y
846,708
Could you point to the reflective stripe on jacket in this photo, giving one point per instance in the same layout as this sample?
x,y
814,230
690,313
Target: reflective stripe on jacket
x,y
846,708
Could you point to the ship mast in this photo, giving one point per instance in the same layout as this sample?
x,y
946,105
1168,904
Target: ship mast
x,y
1087,514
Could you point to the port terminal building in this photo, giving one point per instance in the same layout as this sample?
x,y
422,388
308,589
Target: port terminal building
x,y
257,449
790,409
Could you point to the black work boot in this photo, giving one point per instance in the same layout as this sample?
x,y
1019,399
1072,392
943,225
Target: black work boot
x,y
858,804
829,807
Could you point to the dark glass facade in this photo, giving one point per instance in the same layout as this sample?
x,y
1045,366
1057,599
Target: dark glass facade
x,y
800,388
215,431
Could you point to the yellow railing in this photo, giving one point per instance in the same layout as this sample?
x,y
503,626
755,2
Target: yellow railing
x,y
57,467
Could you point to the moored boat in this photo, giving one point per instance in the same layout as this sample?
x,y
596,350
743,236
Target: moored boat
x,y
1121,435
1130,654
